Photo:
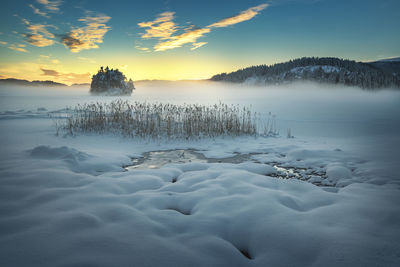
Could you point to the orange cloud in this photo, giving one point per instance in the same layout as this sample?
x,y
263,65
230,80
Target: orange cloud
x,y
88,36
197,45
242,16
39,35
164,28
145,49
18,47
52,6
190,36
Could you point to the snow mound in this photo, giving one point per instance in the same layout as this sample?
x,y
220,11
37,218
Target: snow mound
x,y
204,214
47,152
337,172
73,159
251,167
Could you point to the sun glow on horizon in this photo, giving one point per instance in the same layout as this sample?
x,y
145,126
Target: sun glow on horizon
x,y
138,70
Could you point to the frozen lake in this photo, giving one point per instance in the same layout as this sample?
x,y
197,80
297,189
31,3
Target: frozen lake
x,y
368,120
223,201
308,109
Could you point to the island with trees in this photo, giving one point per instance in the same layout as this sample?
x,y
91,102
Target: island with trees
x,y
111,82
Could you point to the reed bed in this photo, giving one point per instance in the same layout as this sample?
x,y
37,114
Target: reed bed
x,y
138,119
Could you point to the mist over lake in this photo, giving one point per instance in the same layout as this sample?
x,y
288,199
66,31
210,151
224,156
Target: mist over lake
x,y
309,109
366,119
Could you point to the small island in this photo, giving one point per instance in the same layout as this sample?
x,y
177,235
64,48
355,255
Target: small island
x,y
111,82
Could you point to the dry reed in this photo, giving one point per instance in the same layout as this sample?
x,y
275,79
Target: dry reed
x,y
157,120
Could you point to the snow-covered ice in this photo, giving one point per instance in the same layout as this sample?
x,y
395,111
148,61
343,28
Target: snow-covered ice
x,y
69,201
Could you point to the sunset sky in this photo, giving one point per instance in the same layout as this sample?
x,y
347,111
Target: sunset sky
x,y
67,41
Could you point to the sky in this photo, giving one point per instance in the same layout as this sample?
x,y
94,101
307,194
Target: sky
x,y
68,40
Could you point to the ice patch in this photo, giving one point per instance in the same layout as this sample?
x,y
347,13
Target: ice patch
x,y
157,159
300,164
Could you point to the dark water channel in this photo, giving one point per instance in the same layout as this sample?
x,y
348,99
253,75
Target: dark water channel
x,y
157,159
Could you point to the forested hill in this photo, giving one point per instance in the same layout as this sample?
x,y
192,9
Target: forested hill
x,y
18,82
327,70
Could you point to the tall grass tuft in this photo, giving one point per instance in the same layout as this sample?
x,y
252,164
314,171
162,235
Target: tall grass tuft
x,y
138,119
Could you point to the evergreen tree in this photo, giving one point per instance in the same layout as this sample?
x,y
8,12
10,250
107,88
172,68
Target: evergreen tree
x,y
327,70
111,81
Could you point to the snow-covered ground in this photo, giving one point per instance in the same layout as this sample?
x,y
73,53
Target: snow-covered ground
x,y
69,201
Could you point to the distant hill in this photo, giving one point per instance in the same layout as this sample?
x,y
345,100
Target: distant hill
x,y
390,65
11,81
390,60
81,84
379,74
154,81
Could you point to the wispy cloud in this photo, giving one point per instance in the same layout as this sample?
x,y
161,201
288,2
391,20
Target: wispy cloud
x,y
189,36
3,43
66,77
88,36
163,28
197,45
48,59
242,16
52,73
38,11
51,5
144,49
88,60
18,47
39,35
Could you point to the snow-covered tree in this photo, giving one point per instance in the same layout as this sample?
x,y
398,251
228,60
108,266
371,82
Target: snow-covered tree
x,y
112,81
327,70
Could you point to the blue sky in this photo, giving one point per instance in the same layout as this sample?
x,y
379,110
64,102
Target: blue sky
x,y
68,40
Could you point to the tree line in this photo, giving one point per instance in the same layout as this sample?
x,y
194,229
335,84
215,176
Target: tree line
x,y
327,70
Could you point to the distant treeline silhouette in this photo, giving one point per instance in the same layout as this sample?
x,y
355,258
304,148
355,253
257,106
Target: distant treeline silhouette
x,y
326,70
